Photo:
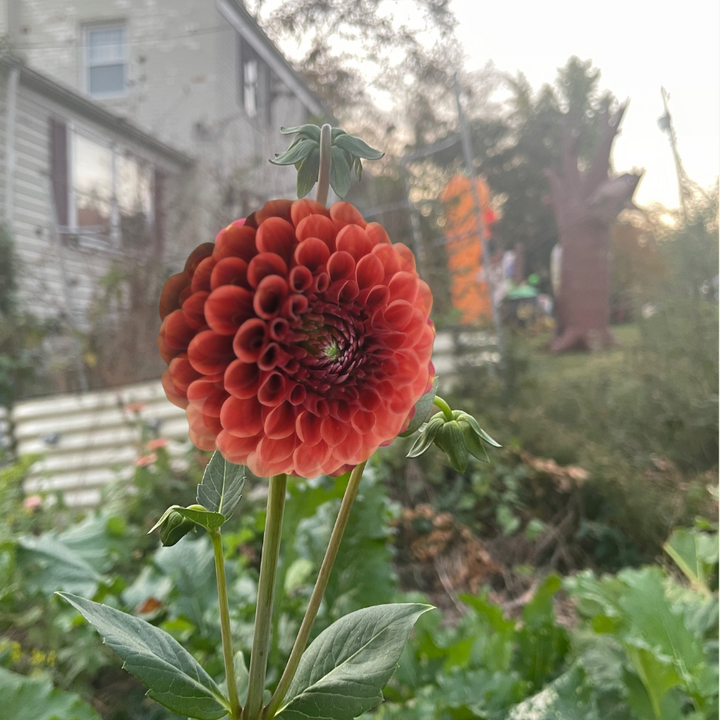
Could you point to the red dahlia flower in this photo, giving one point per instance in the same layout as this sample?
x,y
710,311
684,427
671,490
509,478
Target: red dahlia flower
x,y
299,341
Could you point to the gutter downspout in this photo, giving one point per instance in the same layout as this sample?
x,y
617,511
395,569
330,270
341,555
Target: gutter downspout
x,y
11,105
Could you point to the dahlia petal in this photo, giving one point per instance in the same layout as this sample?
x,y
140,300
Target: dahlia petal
x,y
354,240
369,271
333,431
275,450
376,297
201,277
321,282
272,356
340,410
307,426
272,389
178,333
235,241
402,399
341,266
242,417
165,352
389,258
309,461
280,422
278,329
182,373
274,208
250,340
269,296
265,265
319,227
276,235
230,271
294,306
207,396
350,448
313,253
363,421
300,279
235,449
200,435
403,286
369,399
173,393
349,291
170,295
194,309
242,379
298,394
426,294
300,209
227,308
406,255
377,234
398,314
197,256
343,213
210,353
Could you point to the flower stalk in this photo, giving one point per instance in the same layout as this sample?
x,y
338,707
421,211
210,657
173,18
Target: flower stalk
x,y
235,709
318,591
446,409
266,590
325,162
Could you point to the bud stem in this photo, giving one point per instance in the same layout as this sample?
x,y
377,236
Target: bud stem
x,y
235,709
266,590
447,412
325,161
318,592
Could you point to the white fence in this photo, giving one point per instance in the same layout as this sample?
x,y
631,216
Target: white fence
x,y
86,441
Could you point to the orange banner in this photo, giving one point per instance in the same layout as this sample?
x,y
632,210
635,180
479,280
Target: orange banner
x,y
464,249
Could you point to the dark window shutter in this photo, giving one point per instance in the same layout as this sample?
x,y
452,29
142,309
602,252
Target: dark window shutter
x,y
59,169
159,210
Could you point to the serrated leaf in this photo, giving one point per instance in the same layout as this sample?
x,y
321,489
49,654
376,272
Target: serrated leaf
x,y
173,677
308,173
309,130
339,173
34,698
299,150
222,485
342,674
357,147
422,408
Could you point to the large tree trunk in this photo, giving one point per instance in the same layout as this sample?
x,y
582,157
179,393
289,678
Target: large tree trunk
x,y
586,206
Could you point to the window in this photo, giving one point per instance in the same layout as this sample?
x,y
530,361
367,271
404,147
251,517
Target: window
x,y
105,63
111,193
255,78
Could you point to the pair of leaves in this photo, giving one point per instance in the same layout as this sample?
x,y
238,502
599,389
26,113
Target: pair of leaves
x,y
341,675
217,497
346,154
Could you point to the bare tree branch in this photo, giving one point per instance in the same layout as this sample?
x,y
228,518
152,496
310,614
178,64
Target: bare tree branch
x,y
600,166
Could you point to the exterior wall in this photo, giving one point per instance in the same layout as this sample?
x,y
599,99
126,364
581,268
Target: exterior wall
x,y
183,87
42,259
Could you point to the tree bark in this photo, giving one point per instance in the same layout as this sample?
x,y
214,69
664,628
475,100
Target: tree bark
x,y
583,305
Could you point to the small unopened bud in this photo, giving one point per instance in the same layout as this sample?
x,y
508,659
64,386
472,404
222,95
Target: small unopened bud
x,y
174,528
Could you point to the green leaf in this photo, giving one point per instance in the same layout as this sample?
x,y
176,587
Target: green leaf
x,y
308,173
358,168
657,676
422,409
197,513
473,423
310,131
339,173
299,150
336,133
174,528
453,445
222,485
342,674
357,147
173,676
695,553
474,446
34,698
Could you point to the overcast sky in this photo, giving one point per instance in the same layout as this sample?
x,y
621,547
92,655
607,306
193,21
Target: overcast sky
x,y
638,46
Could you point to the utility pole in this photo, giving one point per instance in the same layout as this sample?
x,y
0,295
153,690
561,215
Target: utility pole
x,y
665,123
470,168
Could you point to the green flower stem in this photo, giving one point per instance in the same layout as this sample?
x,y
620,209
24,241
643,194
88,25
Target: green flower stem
x,y
235,709
447,411
325,159
318,592
266,590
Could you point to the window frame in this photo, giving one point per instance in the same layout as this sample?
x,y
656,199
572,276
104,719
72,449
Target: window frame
x,y
89,28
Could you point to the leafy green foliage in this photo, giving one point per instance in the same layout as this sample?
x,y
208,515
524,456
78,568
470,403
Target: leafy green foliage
x,y
173,677
222,485
25,698
344,670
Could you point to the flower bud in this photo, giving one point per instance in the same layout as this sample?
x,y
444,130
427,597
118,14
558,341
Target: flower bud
x,y
174,528
452,441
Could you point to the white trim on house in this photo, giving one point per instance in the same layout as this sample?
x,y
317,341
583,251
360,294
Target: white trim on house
x,y
280,68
